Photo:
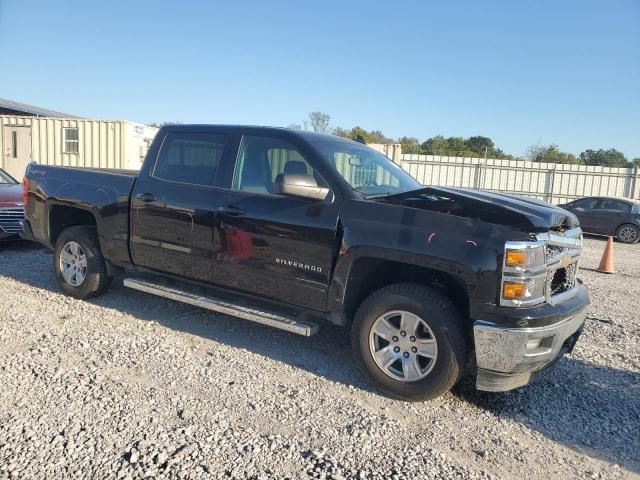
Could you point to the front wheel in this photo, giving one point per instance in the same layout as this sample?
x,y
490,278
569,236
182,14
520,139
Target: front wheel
x,y
79,266
409,339
628,233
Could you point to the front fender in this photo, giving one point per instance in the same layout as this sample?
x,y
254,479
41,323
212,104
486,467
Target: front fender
x,y
466,250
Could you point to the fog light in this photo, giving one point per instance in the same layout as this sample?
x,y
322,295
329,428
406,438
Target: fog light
x,y
533,343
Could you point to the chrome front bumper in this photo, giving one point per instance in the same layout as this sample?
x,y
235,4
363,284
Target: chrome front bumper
x,y
507,358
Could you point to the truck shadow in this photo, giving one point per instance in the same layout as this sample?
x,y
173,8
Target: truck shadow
x,y
326,354
555,403
552,406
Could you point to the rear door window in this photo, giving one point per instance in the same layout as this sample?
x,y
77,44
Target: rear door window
x,y
192,158
609,204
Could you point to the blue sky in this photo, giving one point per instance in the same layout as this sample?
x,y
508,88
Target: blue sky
x,y
565,72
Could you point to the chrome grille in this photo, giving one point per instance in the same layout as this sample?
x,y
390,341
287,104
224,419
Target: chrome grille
x,y
562,253
553,250
562,279
551,275
10,219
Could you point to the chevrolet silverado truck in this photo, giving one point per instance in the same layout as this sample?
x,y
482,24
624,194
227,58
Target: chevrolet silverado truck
x,y
292,229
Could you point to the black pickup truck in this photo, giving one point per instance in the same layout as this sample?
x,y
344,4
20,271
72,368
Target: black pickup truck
x,y
291,228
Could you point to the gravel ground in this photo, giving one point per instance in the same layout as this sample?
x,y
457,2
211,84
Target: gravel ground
x,y
132,386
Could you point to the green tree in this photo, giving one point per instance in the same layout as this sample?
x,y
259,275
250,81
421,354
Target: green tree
x,y
342,132
636,162
377,136
373,136
550,154
457,147
410,145
605,158
462,147
319,122
478,145
498,153
437,145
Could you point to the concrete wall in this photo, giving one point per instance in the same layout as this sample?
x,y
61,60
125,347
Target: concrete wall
x,y
555,183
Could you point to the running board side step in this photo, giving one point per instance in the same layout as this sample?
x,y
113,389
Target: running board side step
x,y
198,299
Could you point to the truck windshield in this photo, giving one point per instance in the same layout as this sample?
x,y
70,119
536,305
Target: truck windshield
x,y
6,179
367,171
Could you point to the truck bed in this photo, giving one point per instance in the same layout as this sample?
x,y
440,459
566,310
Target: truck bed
x,y
102,193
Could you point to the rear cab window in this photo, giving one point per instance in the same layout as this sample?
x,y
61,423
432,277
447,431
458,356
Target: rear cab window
x,y
191,158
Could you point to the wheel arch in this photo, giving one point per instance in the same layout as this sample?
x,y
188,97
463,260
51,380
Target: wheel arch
x,y
63,216
366,274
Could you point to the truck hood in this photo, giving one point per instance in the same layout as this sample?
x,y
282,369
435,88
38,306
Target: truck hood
x,y
522,213
10,195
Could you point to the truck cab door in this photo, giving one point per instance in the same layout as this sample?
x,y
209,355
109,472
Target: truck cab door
x,y
173,204
271,245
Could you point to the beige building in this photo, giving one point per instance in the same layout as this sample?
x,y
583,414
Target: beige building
x,y
29,133
390,150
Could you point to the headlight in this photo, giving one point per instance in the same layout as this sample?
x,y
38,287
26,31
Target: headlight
x,y
523,274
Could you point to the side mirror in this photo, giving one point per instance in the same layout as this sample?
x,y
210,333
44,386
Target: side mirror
x,y
304,186
356,161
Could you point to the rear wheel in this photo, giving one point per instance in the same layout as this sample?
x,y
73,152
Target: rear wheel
x,y
628,233
410,341
79,265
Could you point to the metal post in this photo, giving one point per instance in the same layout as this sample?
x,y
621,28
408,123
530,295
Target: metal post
x,y
552,176
478,175
634,183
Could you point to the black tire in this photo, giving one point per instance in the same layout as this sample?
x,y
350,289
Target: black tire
x,y
624,230
96,280
446,323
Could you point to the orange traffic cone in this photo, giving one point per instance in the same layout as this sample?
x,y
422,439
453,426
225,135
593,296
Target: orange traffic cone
x,y
606,264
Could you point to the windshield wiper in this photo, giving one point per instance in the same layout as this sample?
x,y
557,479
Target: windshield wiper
x,y
378,195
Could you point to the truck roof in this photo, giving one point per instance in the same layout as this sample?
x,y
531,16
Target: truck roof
x,y
260,129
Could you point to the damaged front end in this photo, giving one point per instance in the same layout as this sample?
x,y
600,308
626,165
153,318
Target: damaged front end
x,y
540,306
519,213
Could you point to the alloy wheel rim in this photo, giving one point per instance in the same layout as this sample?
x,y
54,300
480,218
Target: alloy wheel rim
x,y
73,264
403,346
628,234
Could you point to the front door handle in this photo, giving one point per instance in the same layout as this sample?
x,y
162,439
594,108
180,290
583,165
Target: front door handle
x,y
232,210
146,197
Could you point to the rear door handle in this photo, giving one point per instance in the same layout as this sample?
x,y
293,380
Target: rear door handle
x,y
146,197
232,210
